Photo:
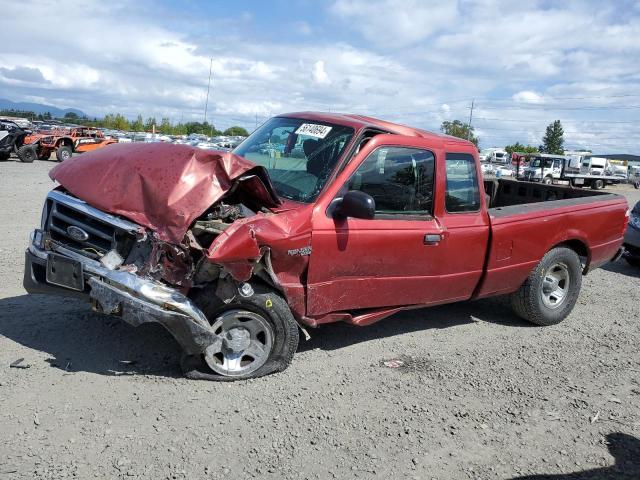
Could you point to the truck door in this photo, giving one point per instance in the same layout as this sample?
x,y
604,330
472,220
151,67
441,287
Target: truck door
x,y
401,256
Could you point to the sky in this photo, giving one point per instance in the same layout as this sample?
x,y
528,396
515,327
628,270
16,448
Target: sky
x,y
523,64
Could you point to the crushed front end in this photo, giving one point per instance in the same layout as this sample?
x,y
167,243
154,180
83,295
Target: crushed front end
x,y
118,265
184,238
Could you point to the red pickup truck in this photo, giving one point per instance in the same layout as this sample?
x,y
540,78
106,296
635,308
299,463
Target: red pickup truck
x,y
314,218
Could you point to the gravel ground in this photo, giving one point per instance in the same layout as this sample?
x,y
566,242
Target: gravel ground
x,y
481,394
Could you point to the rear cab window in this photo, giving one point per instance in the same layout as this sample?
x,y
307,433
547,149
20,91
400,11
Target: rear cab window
x,y
462,191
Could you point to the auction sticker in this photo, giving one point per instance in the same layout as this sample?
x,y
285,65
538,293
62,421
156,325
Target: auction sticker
x,y
313,130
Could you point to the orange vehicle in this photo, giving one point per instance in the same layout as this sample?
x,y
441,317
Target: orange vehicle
x,y
63,141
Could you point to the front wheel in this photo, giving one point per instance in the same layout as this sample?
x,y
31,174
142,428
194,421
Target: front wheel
x,y
550,292
27,153
63,153
257,336
547,180
597,184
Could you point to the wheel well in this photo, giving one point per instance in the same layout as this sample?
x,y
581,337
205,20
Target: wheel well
x,y
580,248
65,142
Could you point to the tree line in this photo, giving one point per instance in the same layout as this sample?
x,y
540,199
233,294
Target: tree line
x,y
120,122
552,142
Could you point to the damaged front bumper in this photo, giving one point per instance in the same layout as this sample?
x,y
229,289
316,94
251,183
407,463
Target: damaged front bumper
x,y
136,300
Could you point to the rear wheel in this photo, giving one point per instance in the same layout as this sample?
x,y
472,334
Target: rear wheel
x,y
27,153
597,184
550,292
257,336
63,153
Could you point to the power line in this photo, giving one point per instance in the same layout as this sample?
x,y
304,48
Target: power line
x,y
568,121
543,107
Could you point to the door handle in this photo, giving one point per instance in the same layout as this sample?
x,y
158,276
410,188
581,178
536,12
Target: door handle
x,y
432,238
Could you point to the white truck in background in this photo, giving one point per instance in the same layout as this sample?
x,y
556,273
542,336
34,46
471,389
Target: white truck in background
x,y
594,172
594,165
544,168
495,155
580,169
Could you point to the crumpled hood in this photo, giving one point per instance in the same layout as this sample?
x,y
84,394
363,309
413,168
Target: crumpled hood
x,y
164,187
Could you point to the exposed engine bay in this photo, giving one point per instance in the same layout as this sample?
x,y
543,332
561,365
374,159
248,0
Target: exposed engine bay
x,y
185,265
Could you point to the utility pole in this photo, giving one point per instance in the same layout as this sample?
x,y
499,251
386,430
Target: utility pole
x,y
206,103
470,118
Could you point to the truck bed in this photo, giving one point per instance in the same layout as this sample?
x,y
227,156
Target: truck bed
x,y
528,219
507,193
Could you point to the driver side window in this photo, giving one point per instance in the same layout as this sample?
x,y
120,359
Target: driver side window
x,y
400,180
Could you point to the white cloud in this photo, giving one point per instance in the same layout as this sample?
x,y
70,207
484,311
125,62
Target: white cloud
x,y
527,96
395,23
416,62
319,74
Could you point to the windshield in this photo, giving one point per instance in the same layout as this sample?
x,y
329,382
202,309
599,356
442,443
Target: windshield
x,y
298,154
535,162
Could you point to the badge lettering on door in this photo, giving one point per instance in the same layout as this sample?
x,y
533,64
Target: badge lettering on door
x,y
300,252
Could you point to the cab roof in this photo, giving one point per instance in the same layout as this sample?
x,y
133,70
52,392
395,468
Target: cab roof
x,y
359,122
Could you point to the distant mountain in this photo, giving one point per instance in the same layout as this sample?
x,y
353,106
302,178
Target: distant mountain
x,y
38,108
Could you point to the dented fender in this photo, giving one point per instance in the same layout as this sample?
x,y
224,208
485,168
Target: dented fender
x,y
279,243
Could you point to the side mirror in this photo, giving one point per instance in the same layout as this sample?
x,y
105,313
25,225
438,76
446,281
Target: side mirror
x,y
356,204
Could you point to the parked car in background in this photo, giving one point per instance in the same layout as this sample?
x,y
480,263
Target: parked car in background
x,y
12,138
632,237
63,142
487,169
504,171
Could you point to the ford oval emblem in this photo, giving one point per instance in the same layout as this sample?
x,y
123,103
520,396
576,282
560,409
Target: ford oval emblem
x,y
77,233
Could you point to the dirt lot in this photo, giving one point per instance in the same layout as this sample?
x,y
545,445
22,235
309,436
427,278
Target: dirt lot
x,y
481,394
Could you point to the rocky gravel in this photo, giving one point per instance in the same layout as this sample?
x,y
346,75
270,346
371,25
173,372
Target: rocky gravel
x,y
465,391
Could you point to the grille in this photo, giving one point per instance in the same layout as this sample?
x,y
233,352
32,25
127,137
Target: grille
x,y
104,232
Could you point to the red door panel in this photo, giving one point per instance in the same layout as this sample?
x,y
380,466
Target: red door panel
x,y
372,263
357,264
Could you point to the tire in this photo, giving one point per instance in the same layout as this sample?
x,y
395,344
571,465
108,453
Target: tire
x,y
27,154
597,184
529,303
547,180
64,153
266,309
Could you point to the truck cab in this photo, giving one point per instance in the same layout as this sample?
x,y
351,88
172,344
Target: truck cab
x,y
544,168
